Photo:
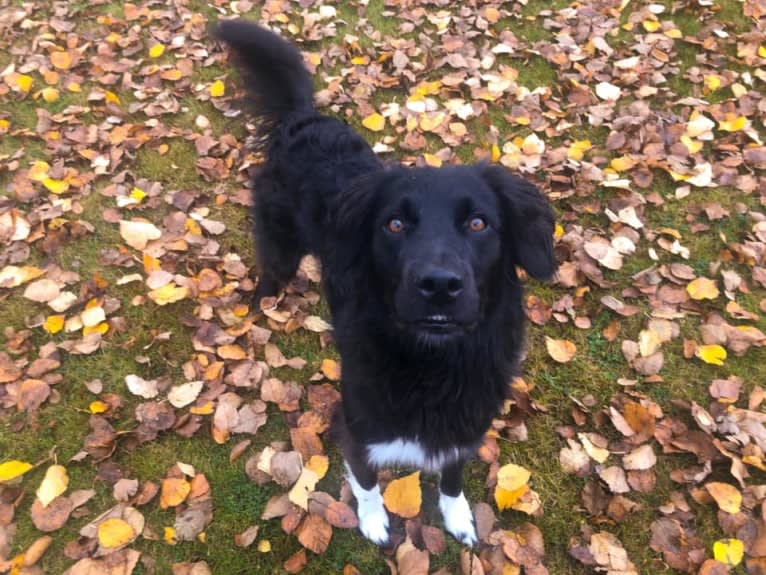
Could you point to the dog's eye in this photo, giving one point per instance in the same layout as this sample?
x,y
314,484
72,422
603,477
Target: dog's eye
x,y
477,224
395,225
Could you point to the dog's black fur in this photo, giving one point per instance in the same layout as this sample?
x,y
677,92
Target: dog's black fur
x,y
418,264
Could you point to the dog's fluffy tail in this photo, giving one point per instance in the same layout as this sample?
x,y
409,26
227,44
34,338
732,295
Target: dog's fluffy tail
x,y
272,70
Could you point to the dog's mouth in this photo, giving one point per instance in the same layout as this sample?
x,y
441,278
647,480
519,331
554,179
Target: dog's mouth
x,y
438,324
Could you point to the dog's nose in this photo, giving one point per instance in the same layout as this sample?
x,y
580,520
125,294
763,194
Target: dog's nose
x,y
440,284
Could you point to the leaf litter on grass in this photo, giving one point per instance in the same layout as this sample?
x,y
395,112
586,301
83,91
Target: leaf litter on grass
x,y
94,99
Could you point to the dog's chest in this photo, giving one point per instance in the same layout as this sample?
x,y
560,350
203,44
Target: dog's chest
x,y
412,453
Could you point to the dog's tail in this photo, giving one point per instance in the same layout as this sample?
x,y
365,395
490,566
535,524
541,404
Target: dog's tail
x,y
272,70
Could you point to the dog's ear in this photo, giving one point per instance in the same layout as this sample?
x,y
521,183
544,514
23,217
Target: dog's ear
x,y
528,221
353,207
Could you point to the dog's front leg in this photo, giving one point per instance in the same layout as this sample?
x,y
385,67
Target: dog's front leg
x,y
363,479
457,515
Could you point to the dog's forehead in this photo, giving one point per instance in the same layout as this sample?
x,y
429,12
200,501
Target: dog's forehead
x,y
442,187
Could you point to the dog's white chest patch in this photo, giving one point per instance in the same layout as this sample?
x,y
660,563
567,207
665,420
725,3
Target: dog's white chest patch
x,y
410,453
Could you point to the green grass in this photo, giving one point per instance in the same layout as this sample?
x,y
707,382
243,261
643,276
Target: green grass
x,y
238,502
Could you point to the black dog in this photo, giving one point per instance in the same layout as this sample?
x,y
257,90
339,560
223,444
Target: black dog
x,y
419,269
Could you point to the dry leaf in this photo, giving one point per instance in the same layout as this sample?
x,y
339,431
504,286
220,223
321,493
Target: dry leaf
x,y
560,350
403,496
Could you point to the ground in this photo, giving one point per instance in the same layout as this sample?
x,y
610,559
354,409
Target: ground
x,y
123,186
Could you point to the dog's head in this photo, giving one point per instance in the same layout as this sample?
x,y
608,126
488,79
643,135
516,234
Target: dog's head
x,y
441,242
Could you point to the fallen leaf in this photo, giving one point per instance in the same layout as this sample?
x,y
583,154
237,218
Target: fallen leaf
x,y
374,122
54,483
728,497
115,532
13,469
560,350
403,496
713,354
174,492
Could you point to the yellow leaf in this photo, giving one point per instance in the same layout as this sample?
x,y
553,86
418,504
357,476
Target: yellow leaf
x,y
762,51
692,145
374,122
54,323
729,551
174,492
577,149
50,94
727,496
428,88
558,231
98,406
511,477
169,535
167,294
331,369
712,354
55,186
732,123
432,160
712,82
495,156
4,125
318,464
101,328
137,194
702,288
192,226
651,25
264,546
622,164
24,82
61,60
12,469
54,484
674,33
111,98
74,87
506,499
560,350
115,532
403,496
217,89
156,51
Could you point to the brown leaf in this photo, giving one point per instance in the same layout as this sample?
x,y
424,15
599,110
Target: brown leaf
x,y
410,560
52,517
247,537
296,562
560,350
315,534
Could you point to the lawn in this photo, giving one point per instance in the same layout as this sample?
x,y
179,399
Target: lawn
x,y
137,378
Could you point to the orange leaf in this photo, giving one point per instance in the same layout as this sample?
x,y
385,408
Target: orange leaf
x,y
727,496
61,60
702,288
560,350
403,496
174,492
331,369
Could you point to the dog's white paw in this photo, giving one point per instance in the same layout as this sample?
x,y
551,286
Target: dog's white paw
x,y
373,519
458,518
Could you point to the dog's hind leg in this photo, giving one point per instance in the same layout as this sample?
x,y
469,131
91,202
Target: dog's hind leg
x,y
457,515
363,479
278,242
